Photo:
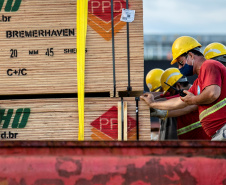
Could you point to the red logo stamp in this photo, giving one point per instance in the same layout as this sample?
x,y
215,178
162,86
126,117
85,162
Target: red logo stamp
x,y
106,126
99,17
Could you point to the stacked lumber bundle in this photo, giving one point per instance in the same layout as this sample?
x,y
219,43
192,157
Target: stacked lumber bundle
x,y
38,58
38,48
56,119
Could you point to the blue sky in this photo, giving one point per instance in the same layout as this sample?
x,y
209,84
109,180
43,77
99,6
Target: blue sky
x,y
184,17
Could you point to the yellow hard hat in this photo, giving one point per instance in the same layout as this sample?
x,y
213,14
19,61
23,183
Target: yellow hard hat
x,y
153,79
170,76
214,49
182,45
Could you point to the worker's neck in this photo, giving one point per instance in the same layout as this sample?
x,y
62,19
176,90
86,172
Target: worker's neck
x,y
198,64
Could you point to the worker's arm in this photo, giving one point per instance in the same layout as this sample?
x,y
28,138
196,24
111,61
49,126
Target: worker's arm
x,y
156,95
174,103
183,111
173,113
208,95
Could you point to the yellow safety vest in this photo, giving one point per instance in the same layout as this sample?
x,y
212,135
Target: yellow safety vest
x,y
212,109
188,128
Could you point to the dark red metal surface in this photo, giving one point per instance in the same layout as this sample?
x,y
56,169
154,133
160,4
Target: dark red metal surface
x,y
107,163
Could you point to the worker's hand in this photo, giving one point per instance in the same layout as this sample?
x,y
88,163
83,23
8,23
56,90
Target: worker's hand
x,y
189,98
162,114
148,98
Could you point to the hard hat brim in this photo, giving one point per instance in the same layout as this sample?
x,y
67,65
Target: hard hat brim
x,y
173,61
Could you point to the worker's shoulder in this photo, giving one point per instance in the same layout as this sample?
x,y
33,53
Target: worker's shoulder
x,y
212,64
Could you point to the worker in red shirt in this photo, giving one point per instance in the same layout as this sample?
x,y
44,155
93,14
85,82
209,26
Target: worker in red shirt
x,y
168,126
208,90
188,124
154,85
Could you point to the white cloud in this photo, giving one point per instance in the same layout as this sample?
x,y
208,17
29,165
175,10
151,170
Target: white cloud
x,y
180,16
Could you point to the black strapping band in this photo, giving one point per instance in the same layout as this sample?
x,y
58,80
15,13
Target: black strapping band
x,y
129,88
137,99
113,45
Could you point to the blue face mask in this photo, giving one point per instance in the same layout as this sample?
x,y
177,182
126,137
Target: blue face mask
x,y
186,70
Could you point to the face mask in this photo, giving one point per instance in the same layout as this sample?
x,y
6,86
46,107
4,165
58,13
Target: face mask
x,y
186,70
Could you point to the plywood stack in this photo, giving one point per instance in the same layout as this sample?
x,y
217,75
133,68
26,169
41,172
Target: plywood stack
x,y
38,57
57,119
39,39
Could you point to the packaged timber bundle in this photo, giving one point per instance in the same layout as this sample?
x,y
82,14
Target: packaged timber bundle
x,y
38,47
56,119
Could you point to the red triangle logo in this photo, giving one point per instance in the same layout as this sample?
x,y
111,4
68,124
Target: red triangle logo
x,y
108,123
99,16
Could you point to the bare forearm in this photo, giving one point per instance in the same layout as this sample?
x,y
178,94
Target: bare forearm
x,y
209,95
183,111
174,103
